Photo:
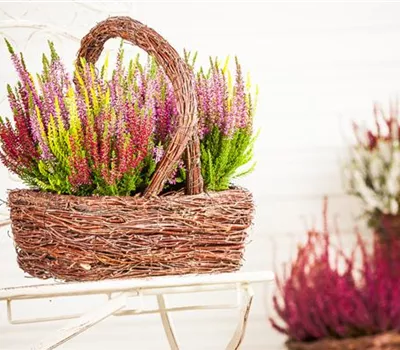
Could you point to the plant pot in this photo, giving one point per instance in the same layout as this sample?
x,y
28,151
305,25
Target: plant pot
x,y
92,238
384,341
388,227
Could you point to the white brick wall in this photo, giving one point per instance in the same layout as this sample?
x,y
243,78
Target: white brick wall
x,y
318,65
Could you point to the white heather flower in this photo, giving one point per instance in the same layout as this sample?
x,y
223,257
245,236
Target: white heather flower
x,y
392,185
376,166
377,184
385,150
394,207
396,157
395,130
386,200
393,176
359,155
358,180
369,197
372,202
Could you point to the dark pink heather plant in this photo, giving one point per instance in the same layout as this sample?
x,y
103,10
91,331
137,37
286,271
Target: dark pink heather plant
x,y
90,134
326,293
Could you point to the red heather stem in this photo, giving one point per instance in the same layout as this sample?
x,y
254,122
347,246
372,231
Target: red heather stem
x,y
121,151
80,171
91,144
24,136
113,171
10,139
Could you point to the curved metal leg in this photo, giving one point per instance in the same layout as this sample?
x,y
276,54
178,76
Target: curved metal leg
x,y
167,323
238,336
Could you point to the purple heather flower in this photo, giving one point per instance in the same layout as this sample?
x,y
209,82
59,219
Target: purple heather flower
x,y
158,153
240,99
26,80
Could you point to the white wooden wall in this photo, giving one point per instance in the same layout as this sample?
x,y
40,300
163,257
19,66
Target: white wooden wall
x,y
318,65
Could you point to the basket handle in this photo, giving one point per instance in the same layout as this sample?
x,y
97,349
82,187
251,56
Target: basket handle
x,y
181,77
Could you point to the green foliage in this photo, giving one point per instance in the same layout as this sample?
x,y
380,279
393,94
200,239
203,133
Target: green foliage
x,y
224,157
52,176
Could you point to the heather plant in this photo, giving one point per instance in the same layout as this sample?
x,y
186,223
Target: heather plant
x,y
373,172
87,133
226,109
326,293
226,113
82,137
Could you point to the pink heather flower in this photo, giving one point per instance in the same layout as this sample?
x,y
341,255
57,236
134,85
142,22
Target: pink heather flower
x,y
240,98
213,107
26,79
158,153
173,177
61,83
170,110
218,96
202,106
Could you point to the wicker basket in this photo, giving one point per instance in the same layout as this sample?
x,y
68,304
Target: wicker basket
x,y
384,341
93,238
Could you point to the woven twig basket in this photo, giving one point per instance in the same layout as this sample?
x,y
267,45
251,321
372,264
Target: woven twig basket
x,y
384,341
93,238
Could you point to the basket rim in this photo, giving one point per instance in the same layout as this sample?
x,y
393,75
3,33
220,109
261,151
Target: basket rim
x,y
138,196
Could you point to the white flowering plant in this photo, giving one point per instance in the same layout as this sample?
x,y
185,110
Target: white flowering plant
x,y
373,172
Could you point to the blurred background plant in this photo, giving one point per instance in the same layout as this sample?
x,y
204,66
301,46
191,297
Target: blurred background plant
x,y
327,293
373,172
89,134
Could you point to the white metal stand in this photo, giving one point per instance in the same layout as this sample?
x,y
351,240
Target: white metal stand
x,y
119,291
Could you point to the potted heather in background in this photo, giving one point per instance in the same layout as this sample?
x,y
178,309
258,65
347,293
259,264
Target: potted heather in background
x,y
373,171
129,174
328,299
